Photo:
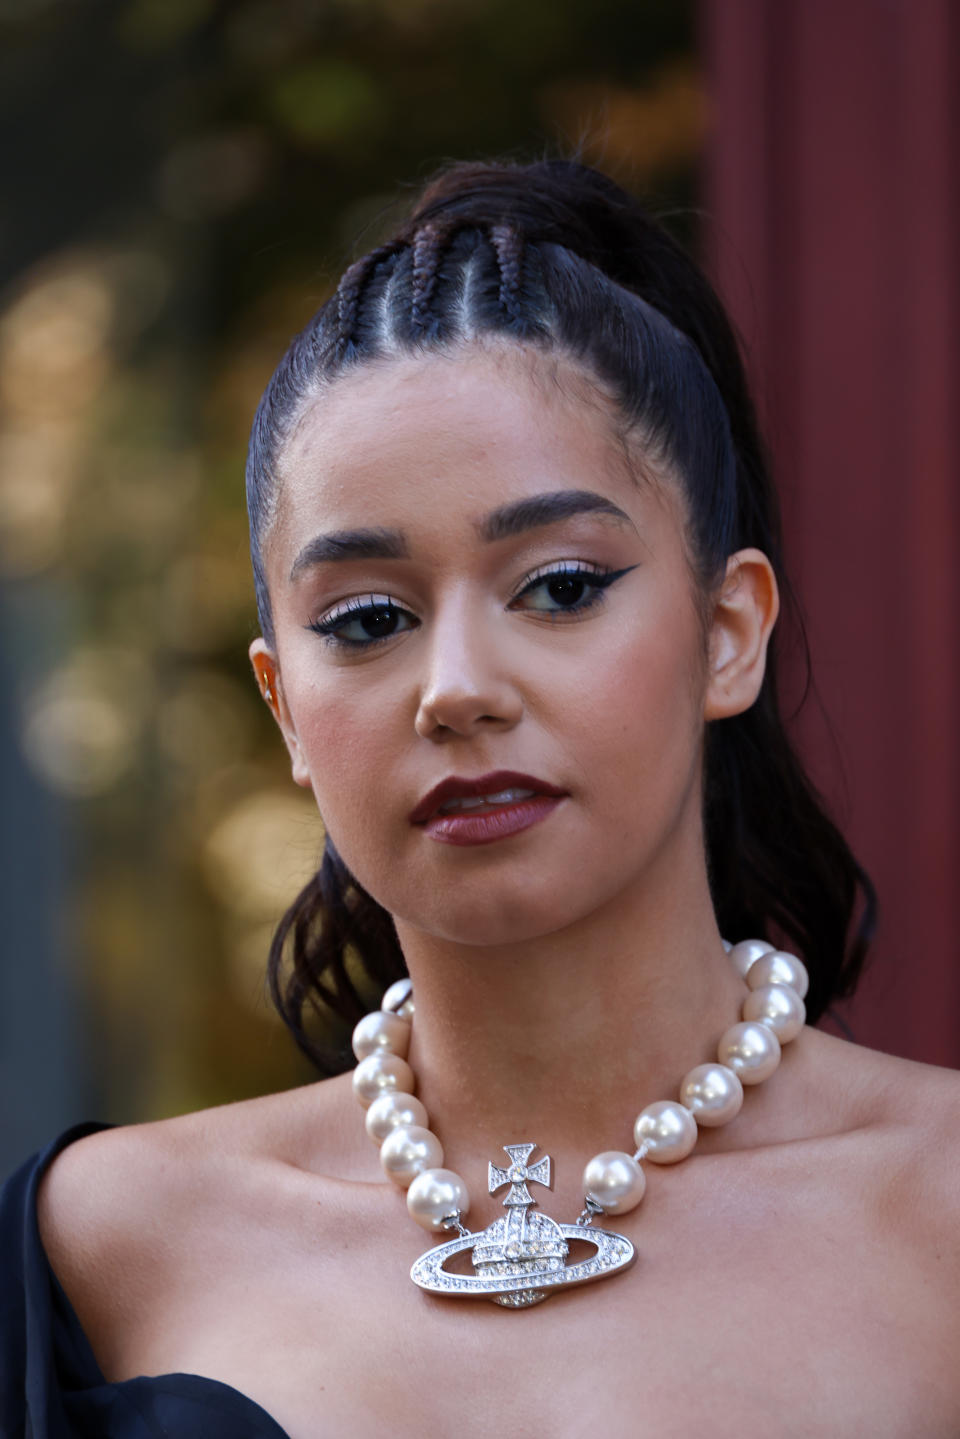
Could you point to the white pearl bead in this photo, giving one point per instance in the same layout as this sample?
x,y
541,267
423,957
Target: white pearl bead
x,y
381,1030
778,967
397,994
727,945
667,1129
408,1149
779,1007
712,1093
393,1108
751,1050
615,1180
434,1195
380,1072
746,952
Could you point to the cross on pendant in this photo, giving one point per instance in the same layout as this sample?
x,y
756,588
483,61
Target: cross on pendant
x,y
519,1173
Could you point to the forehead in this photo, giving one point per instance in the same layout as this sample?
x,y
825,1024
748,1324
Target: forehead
x,y
421,441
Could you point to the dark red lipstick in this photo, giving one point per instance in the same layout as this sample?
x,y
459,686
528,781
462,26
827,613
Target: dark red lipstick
x,y
506,814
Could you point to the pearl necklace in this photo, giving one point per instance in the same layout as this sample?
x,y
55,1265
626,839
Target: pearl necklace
x,y
521,1258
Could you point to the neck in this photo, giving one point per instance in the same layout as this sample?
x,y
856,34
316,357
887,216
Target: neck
x,y
563,1039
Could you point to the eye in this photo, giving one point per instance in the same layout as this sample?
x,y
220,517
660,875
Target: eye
x,y
568,588
363,622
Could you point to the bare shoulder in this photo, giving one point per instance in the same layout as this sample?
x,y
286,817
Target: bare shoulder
x,y
123,1176
920,1118
122,1210
904,1120
918,1103
879,1089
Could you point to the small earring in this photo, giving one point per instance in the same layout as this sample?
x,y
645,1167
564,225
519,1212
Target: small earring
x,y
267,692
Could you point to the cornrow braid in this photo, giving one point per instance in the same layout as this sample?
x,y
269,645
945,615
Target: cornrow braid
x,y
349,293
508,246
426,247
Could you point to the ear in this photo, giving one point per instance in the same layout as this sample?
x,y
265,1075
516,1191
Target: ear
x,y
744,614
266,668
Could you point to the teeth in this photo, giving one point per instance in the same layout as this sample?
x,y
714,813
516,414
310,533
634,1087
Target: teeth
x,y
503,796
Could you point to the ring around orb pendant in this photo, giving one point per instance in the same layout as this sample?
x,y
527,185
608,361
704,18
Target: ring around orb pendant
x,y
520,1259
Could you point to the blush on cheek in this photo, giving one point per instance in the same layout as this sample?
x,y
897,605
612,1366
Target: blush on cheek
x,y
349,776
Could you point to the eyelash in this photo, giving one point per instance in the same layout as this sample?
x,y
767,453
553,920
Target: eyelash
x,y
599,579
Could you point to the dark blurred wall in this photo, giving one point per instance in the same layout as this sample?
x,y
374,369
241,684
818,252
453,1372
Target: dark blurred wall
x,y
833,190
42,1074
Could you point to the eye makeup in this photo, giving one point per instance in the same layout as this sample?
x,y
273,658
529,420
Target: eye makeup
x,y
562,590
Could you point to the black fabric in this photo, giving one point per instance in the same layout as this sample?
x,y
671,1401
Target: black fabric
x,y
50,1384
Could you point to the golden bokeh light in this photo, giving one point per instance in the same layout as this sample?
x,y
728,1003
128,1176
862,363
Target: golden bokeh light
x,y
263,851
205,723
83,721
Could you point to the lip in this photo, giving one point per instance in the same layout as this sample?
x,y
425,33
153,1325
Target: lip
x,y
490,825
458,787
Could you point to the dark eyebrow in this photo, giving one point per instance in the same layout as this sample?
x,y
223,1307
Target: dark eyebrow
x,y
500,524
351,545
545,509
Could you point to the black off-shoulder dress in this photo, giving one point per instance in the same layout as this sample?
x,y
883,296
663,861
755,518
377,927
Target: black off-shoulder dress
x,y
50,1384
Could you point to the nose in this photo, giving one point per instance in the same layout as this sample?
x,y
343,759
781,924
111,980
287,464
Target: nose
x,y
466,687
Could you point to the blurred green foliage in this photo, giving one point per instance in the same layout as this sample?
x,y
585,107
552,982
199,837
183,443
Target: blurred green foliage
x,y
187,181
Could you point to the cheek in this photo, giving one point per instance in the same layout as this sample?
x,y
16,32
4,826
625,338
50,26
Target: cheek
x,y
350,739
641,729
650,680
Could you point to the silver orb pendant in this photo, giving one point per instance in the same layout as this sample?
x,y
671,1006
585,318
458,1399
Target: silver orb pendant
x,y
521,1258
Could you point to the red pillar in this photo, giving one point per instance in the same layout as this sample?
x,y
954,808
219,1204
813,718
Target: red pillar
x,y
833,202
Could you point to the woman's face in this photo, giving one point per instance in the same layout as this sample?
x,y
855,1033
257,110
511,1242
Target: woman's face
x,y
516,601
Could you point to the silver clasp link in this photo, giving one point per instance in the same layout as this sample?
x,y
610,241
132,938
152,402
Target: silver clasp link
x,y
452,1221
589,1213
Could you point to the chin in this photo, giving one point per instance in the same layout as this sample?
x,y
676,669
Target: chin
x,y
498,915
503,902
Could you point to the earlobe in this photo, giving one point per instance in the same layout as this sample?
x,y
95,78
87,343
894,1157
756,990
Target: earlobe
x,y
267,671
744,614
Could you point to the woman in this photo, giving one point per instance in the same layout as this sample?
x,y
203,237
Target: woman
x,y
517,570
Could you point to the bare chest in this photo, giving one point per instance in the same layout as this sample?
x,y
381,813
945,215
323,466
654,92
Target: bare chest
x,y
739,1317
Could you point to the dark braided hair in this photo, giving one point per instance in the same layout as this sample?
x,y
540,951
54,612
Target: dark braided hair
x,y
555,256
508,244
426,257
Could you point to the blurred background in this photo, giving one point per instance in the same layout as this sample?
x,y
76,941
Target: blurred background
x,y
183,182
